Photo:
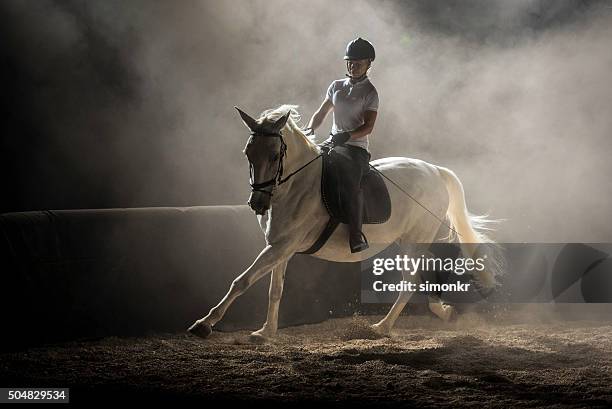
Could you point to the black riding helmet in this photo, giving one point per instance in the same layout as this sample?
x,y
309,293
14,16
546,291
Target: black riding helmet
x,y
359,49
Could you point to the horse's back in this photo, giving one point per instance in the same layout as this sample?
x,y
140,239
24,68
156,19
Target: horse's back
x,y
420,179
407,169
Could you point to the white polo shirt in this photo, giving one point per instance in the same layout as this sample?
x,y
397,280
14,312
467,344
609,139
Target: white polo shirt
x,y
350,103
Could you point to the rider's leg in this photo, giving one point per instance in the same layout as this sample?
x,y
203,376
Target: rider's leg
x,y
357,240
353,164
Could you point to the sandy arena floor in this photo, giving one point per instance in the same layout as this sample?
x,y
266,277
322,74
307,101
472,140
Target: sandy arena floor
x,y
477,361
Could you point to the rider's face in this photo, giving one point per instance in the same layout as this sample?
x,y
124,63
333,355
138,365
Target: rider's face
x,y
357,68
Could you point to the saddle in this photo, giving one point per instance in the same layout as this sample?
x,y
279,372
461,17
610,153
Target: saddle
x,y
376,207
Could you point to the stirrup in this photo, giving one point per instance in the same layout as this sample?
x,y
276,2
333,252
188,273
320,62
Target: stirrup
x,y
361,246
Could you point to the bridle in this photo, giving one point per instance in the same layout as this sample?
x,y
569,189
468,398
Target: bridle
x,y
278,179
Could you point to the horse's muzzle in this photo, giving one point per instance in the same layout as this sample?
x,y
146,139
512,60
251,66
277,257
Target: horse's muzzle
x,y
260,203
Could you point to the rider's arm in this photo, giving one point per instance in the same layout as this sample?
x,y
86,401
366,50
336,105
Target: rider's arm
x,y
369,118
319,116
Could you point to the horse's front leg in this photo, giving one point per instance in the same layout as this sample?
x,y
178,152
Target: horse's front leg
x,y
270,327
270,256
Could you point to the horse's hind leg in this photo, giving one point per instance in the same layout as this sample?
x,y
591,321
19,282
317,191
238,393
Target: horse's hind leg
x,y
444,311
385,325
267,259
274,296
413,249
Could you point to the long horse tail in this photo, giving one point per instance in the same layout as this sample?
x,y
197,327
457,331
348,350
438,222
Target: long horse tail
x,y
470,229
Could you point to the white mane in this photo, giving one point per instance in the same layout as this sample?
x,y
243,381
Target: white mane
x,y
292,123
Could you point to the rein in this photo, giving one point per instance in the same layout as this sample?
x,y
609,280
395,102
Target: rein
x,y
417,202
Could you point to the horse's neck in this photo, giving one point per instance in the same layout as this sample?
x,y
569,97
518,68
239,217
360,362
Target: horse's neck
x,y
299,152
298,198
299,202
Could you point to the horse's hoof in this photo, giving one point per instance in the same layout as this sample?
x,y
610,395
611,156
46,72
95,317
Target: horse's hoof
x,y
445,312
258,338
448,314
380,330
453,316
200,329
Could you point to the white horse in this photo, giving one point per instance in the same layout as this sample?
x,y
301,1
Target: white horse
x,y
292,215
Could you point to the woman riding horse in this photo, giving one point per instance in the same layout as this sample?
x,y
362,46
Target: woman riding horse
x,y
284,177
354,101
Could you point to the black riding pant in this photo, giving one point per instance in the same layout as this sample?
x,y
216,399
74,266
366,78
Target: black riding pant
x,y
353,163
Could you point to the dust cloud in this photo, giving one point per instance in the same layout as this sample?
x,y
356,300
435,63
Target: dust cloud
x,y
120,104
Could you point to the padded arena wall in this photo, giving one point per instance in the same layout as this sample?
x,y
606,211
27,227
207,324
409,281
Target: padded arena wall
x,y
71,274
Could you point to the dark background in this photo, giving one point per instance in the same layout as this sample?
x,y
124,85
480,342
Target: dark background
x,y
129,104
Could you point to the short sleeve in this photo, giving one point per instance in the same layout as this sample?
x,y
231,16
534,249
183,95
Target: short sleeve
x,y
371,101
330,92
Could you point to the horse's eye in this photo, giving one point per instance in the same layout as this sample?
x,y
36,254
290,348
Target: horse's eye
x,y
275,157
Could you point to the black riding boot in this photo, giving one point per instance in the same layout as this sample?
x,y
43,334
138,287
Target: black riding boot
x,y
357,239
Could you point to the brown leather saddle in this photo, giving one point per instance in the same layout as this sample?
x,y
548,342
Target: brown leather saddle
x,y
377,203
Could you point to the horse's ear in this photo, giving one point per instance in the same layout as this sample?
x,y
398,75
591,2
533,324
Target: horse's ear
x,y
248,121
280,122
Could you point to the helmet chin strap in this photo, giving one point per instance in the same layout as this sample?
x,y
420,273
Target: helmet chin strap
x,y
358,78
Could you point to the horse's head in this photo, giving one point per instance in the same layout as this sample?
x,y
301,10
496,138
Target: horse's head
x,y
265,151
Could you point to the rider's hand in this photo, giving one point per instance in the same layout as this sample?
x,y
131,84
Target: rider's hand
x,y
326,146
340,138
